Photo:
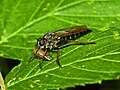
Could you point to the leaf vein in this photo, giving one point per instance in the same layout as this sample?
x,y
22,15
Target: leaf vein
x,y
104,59
66,21
34,13
88,70
75,3
95,16
20,29
59,76
18,47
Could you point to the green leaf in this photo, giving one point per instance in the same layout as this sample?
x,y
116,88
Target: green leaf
x,y
22,21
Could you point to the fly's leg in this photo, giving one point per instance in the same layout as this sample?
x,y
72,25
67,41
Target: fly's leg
x,y
82,43
57,61
45,52
34,55
41,60
40,63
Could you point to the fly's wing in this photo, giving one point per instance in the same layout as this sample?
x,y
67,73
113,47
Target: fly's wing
x,y
72,33
61,33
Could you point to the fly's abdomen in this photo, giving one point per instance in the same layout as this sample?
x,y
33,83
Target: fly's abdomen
x,y
77,32
65,36
76,35
71,34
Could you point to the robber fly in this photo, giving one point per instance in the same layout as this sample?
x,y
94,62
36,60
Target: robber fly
x,y
55,40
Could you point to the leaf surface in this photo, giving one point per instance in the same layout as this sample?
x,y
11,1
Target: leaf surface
x,y
22,21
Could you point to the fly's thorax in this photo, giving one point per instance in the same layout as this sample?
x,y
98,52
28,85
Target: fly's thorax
x,y
50,45
50,41
61,41
49,36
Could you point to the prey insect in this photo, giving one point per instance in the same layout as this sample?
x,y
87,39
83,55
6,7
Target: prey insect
x,y
40,54
56,40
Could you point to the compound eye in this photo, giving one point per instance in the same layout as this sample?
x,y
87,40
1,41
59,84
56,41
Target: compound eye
x,y
41,42
38,42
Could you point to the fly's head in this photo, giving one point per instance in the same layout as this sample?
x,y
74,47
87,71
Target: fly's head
x,y
40,43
